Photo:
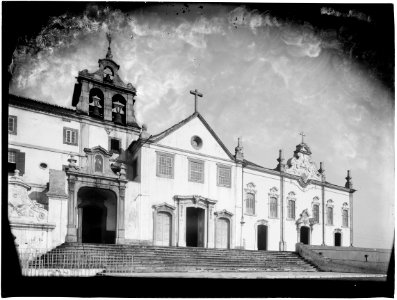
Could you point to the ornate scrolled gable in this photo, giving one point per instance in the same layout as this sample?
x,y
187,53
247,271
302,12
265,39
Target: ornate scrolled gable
x,y
305,220
291,196
164,207
97,162
262,222
223,214
330,203
345,205
316,200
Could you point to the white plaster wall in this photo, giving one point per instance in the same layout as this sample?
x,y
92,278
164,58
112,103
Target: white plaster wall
x,y
263,182
182,136
57,214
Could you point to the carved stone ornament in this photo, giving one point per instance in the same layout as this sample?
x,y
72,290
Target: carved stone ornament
x,y
20,206
108,130
273,193
250,188
304,219
345,205
303,166
330,203
291,196
223,214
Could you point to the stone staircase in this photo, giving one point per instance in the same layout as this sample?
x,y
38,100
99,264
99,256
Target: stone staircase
x,y
149,259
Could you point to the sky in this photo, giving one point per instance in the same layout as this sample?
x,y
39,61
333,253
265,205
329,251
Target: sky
x,y
267,72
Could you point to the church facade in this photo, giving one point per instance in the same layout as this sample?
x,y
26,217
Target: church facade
x,y
97,176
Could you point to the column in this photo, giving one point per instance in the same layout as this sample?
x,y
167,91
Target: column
x,y
351,217
282,245
129,110
107,103
71,236
323,211
211,233
120,233
182,226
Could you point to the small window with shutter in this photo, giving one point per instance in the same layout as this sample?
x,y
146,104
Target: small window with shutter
x,y
115,145
70,136
224,176
196,170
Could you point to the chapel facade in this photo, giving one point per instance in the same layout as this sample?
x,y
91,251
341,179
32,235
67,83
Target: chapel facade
x,y
97,176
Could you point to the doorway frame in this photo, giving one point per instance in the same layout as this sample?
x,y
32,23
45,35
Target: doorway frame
x,y
309,231
341,237
164,208
257,223
182,203
224,214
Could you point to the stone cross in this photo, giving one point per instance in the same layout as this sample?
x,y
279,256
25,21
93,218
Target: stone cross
x,y
303,135
196,93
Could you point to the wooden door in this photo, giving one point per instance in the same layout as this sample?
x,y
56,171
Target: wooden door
x,y
163,229
262,237
200,228
338,239
222,233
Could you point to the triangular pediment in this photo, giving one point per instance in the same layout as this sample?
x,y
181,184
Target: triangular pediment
x,y
194,135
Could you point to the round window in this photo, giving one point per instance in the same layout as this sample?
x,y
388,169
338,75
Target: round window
x,y
43,165
196,142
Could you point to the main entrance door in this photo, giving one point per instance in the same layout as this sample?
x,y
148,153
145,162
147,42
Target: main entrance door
x,y
93,224
163,229
222,233
305,235
194,227
262,237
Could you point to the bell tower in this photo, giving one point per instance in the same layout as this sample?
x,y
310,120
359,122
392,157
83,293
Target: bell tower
x,y
103,95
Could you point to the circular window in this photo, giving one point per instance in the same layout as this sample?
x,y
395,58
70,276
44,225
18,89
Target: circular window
x,y
43,165
196,142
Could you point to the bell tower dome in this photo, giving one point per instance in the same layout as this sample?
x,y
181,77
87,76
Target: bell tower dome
x,y
103,95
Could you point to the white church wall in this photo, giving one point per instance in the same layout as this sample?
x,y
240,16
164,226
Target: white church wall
x,y
263,183
181,139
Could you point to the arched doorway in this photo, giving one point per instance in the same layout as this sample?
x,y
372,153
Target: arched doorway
x,y
222,233
96,215
305,235
195,227
163,229
338,239
262,237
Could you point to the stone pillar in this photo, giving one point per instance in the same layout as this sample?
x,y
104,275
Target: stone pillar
x,y
182,226
83,104
210,228
351,217
120,230
281,168
107,110
71,236
323,212
130,113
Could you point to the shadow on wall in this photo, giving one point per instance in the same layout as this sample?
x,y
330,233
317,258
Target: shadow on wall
x,y
346,259
40,197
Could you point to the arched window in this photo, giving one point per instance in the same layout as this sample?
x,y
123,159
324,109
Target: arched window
x,y
291,209
345,218
96,103
273,207
316,212
118,109
330,215
250,204
108,74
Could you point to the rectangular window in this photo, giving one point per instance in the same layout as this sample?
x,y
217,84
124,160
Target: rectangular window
x,y
224,176
12,124
16,161
291,209
250,204
330,216
134,168
316,214
196,171
165,165
115,145
70,136
345,218
273,207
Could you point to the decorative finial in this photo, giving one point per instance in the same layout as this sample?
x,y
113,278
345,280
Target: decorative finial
x,y
349,182
109,53
239,154
303,135
280,159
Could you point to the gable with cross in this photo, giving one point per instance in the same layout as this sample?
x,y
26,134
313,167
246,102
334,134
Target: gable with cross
x,y
196,94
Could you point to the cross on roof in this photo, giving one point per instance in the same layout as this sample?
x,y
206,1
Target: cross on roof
x,y
196,94
302,134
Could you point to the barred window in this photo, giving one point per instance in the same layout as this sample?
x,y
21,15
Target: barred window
x,y
196,171
291,209
273,207
70,136
12,124
316,213
330,216
224,176
345,218
165,165
250,204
